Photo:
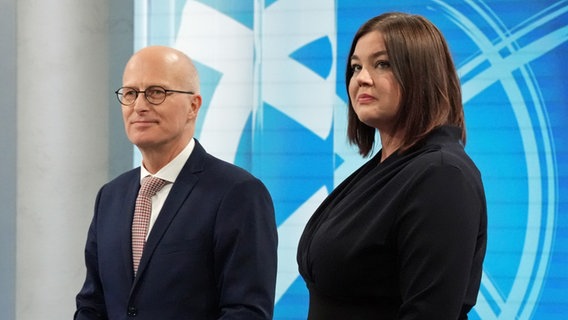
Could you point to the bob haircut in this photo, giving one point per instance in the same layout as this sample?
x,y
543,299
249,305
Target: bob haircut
x,y
423,67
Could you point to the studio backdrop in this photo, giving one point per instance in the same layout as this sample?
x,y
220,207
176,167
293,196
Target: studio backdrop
x,y
274,103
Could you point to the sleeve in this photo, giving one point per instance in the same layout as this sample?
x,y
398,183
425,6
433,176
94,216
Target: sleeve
x,y
90,299
436,242
245,244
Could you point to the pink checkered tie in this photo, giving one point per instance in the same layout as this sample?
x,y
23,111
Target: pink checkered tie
x,y
141,220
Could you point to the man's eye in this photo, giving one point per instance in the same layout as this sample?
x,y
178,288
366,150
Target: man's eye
x,y
155,92
129,93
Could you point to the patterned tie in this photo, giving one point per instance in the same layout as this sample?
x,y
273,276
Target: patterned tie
x,y
142,212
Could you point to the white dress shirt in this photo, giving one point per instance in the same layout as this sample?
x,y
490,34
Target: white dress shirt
x,y
169,173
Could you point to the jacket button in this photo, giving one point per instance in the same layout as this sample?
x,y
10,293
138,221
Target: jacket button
x,y
132,311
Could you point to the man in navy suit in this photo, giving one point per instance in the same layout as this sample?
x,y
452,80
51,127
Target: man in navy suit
x,y
211,245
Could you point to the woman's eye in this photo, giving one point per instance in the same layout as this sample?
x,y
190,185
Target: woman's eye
x,y
355,67
382,64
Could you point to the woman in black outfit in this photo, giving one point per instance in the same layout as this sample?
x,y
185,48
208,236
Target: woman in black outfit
x,y
404,236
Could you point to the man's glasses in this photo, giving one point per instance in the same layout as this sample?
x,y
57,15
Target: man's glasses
x,y
154,94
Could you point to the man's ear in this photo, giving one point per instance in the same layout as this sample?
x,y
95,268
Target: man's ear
x,y
195,105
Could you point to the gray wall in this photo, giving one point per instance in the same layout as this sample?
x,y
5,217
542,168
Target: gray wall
x,y
60,62
8,158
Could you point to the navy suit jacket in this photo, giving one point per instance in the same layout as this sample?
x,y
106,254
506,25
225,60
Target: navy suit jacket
x,y
211,253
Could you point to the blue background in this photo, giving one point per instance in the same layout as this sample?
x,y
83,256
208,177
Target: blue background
x,y
516,91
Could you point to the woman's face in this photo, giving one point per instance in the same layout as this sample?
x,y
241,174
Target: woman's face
x,y
374,92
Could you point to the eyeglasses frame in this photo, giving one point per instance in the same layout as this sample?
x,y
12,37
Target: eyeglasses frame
x,y
145,96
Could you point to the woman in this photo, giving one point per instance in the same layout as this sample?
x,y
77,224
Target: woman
x,y
404,236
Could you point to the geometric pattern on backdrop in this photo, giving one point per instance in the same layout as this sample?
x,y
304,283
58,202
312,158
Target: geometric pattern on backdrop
x,y
274,103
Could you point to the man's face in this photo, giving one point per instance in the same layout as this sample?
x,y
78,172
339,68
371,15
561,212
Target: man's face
x,y
169,125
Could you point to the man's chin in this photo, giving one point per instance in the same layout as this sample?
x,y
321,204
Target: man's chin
x,y
144,144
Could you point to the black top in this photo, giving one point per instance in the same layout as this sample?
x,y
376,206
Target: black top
x,y
401,239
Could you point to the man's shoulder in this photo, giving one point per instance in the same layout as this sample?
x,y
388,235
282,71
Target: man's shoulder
x,y
124,178
226,170
214,165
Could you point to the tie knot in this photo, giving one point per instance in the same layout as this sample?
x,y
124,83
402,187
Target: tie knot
x,y
151,185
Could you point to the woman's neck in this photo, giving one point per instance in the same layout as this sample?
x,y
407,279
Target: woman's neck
x,y
390,143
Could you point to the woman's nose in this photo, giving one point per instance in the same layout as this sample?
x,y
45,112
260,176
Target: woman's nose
x,y
364,78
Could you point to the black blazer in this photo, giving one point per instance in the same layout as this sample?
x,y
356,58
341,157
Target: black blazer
x,y
211,253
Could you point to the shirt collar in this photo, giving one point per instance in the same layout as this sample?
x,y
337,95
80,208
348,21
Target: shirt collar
x,y
171,170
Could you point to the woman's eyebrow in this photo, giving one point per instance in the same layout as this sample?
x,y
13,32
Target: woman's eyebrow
x,y
373,56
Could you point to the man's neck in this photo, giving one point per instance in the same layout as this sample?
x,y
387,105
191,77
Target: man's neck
x,y
154,159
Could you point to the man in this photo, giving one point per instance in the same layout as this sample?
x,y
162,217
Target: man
x,y
209,251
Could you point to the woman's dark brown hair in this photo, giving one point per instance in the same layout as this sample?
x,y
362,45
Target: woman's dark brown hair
x,y
423,66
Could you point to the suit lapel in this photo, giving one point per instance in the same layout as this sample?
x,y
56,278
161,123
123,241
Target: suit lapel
x,y
185,182
128,213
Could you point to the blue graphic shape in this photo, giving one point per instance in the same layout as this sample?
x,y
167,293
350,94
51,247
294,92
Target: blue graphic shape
x,y
291,160
177,14
243,158
294,302
508,213
508,176
268,3
317,56
485,123
210,79
239,10
159,27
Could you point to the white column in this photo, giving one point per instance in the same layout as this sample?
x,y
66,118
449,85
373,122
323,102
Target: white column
x,y
62,147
